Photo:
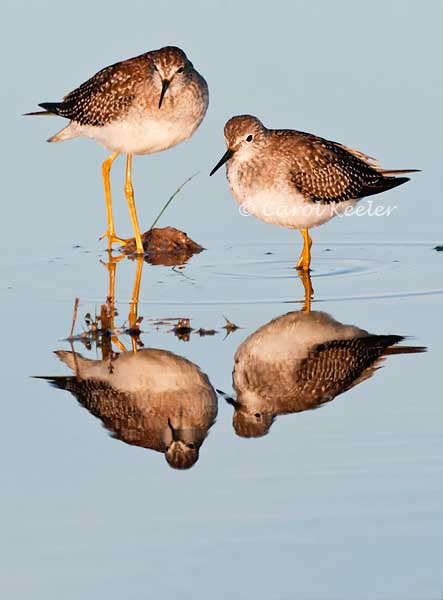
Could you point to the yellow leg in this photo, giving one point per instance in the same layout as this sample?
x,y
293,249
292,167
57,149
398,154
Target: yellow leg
x,y
110,233
108,309
309,292
111,288
304,262
133,310
129,192
111,266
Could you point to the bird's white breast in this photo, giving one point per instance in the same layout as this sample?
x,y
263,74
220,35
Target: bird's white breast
x,y
280,204
292,336
156,371
141,135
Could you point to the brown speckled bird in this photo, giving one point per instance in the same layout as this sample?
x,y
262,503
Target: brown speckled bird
x,y
142,105
151,398
296,179
300,361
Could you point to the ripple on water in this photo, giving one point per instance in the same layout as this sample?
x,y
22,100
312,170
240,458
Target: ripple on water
x,y
283,269
245,273
341,271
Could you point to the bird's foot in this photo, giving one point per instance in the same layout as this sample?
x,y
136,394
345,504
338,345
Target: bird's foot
x,y
113,239
304,262
303,265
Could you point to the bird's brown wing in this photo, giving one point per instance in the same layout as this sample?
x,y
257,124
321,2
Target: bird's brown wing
x,y
118,411
104,97
336,366
324,171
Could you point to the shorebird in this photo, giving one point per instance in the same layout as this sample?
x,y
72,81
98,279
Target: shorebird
x,y
296,179
151,398
299,361
142,105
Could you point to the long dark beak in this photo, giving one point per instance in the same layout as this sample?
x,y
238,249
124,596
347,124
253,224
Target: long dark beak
x,y
229,399
174,435
226,156
165,85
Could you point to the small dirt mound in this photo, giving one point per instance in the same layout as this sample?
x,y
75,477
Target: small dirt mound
x,y
166,246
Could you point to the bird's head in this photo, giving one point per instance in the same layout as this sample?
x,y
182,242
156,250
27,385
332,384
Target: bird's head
x,y
252,424
181,456
244,135
181,447
171,67
251,417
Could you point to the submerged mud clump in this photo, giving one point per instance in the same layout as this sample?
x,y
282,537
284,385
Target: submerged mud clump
x,y
165,246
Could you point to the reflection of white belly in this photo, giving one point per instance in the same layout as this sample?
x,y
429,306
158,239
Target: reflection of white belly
x,y
140,136
289,210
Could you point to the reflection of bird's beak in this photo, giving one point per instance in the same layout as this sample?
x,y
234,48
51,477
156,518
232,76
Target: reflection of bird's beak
x,y
229,399
165,85
174,435
226,156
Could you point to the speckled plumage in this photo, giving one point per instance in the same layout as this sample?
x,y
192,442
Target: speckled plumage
x,y
299,361
142,105
152,398
119,105
289,171
104,98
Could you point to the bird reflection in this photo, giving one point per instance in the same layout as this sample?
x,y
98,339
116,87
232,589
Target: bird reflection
x,y
145,397
151,398
300,361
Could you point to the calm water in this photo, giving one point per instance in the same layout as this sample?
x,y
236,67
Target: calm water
x,y
340,502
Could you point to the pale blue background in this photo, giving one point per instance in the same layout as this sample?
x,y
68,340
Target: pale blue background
x,y
344,502
365,74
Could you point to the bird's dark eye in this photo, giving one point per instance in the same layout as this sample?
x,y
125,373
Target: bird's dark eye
x,y
257,415
191,445
180,70
249,138
155,67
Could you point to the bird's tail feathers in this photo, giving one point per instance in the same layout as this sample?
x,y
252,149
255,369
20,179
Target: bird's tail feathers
x,y
393,173
404,350
40,113
389,344
383,184
59,381
49,108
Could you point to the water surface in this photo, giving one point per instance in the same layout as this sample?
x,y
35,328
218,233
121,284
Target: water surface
x,y
344,501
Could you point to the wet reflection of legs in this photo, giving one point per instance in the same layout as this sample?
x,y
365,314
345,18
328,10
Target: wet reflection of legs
x,y
133,309
308,289
108,312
